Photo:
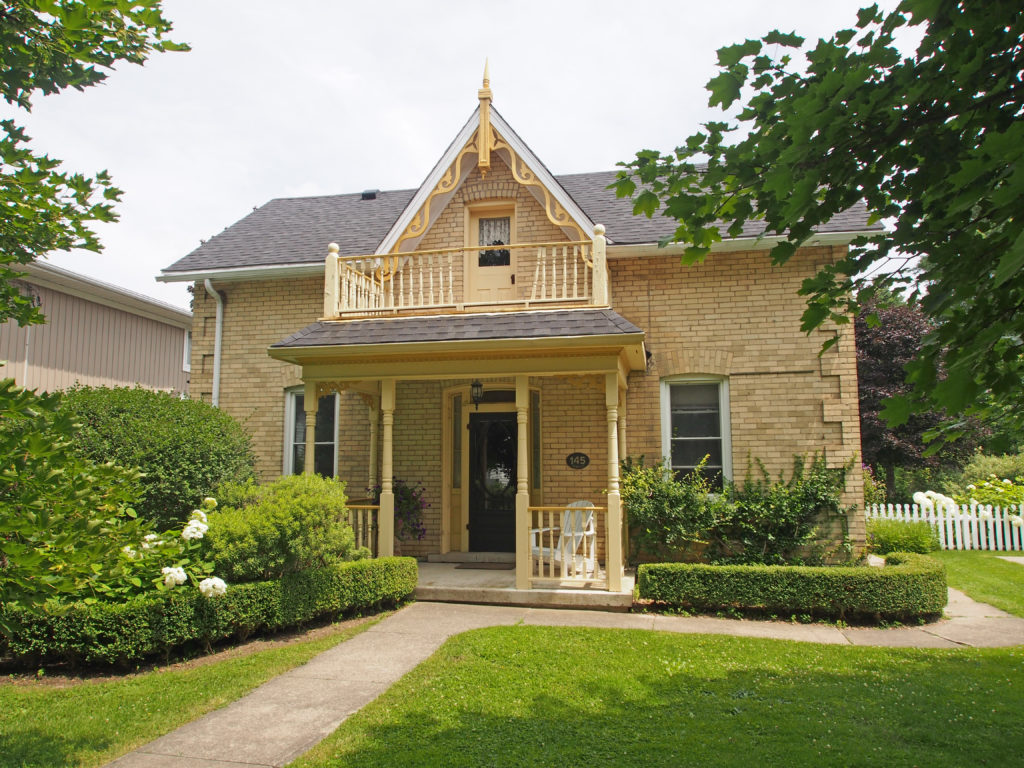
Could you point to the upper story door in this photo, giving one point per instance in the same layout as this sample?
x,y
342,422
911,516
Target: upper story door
x,y
491,270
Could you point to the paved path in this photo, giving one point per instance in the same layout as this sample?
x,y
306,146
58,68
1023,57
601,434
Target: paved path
x,y
283,718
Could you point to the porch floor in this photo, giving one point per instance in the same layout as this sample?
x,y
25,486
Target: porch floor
x,y
445,583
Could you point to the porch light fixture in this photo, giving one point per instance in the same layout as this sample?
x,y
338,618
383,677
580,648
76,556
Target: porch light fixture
x,y
476,393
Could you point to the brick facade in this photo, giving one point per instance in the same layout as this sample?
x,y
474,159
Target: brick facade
x,y
734,317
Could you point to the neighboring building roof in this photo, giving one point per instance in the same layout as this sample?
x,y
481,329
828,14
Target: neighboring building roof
x,y
474,327
74,284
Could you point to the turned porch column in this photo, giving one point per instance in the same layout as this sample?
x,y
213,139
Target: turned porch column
x,y
309,405
623,453
523,556
374,434
386,523
613,554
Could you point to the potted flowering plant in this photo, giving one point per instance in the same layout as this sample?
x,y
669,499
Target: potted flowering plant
x,y
409,506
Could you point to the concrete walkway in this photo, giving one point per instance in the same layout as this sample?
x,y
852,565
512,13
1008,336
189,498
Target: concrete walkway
x,y
283,718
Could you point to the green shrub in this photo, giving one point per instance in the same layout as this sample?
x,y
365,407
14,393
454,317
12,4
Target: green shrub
x,y
909,586
982,466
185,448
293,524
779,522
885,536
874,487
666,514
63,519
151,625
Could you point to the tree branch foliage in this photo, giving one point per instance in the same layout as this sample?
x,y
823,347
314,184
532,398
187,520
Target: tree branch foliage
x,y
933,142
46,46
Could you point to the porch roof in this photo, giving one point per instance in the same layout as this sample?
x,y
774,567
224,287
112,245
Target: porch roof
x,y
470,327
541,342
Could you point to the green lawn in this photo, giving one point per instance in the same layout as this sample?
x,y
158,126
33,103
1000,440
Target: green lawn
x,y
90,722
986,578
540,696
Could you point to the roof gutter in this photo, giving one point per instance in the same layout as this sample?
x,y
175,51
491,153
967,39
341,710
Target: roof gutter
x,y
233,274
733,244
316,269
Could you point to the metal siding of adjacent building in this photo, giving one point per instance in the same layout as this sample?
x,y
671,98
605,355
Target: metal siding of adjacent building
x,y
88,343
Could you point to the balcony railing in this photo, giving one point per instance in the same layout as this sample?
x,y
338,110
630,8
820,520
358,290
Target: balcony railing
x,y
548,273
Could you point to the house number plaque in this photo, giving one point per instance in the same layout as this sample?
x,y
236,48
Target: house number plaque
x,y
577,460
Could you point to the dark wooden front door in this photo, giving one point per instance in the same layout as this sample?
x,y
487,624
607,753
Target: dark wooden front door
x,y
492,482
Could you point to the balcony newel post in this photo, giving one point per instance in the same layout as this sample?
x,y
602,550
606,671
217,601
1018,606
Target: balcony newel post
x,y
613,555
309,405
523,555
331,281
386,524
600,260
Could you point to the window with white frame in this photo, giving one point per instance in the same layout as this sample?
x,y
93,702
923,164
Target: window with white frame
x,y
695,425
325,447
186,354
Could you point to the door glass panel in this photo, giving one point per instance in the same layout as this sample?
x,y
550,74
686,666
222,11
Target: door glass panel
x,y
457,441
496,231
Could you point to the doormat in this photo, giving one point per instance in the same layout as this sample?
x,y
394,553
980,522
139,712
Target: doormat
x,y
487,566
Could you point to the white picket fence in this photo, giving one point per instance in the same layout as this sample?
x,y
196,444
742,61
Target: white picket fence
x,y
975,526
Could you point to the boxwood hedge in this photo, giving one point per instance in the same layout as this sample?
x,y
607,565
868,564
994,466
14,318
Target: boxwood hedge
x,y
122,633
909,586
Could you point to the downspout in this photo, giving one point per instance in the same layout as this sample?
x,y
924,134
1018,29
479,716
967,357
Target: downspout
x,y
217,339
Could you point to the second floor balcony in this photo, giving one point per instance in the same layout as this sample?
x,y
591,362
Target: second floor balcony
x,y
468,279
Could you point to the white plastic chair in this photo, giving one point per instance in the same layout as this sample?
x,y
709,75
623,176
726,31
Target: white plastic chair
x,y
576,548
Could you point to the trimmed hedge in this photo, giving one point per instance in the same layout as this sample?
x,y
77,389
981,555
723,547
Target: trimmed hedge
x,y
909,586
120,633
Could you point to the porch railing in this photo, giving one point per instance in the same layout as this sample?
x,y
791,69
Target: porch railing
x,y
376,284
567,546
362,516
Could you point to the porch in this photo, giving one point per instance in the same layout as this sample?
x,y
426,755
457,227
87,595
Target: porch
x,y
432,410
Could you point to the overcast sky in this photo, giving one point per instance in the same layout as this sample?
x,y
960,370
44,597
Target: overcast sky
x,y
311,97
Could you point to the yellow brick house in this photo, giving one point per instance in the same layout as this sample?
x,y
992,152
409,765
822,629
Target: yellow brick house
x,y
504,336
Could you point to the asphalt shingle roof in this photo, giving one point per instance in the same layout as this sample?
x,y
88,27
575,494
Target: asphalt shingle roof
x,y
504,325
289,231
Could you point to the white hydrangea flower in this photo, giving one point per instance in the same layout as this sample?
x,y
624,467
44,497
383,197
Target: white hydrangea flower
x,y
984,513
971,487
920,499
213,587
198,514
129,551
1007,482
1016,521
210,503
151,540
173,577
195,529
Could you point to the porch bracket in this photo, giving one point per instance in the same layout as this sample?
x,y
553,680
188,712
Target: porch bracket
x,y
386,524
613,557
523,554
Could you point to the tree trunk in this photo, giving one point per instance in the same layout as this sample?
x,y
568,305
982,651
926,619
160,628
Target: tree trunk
x,y
890,482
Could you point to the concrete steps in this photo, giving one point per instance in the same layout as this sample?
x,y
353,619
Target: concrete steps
x,y
442,582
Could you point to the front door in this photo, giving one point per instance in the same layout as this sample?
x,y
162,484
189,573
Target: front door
x,y
492,269
492,482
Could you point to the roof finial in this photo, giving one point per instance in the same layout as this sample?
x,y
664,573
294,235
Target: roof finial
x,y
483,137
